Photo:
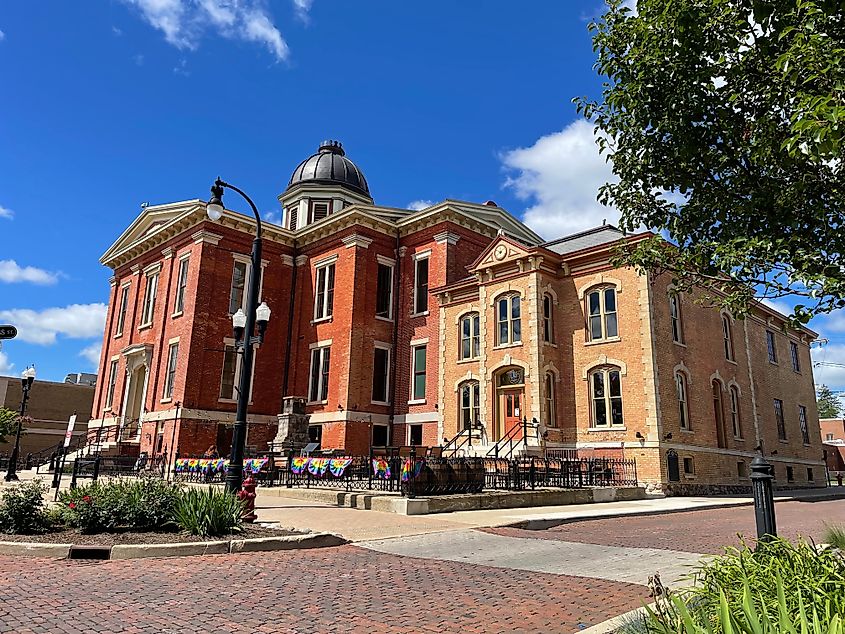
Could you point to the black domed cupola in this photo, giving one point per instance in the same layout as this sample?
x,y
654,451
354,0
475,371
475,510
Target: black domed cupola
x,y
330,166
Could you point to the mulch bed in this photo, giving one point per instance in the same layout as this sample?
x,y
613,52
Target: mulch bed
x,y
127,537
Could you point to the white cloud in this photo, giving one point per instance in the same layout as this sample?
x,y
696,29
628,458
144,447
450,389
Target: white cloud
x,y
11,272
416,205
138,59
182,68
273,217
782,307
92,353
302,7
117,32
831,322
560,176
183,22
77,321
632,5
5,366
831,375
2,36
5,212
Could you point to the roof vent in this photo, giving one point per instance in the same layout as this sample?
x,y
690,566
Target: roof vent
x,y
490,203
335,147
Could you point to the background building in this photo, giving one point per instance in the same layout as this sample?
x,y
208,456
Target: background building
x,y
50,406
407,327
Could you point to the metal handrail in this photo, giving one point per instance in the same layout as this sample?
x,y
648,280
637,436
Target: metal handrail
x,y
509,441
461,439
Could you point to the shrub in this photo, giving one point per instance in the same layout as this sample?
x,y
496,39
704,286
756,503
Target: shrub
x,y
146,504
209,512
780,587
22,509
835,536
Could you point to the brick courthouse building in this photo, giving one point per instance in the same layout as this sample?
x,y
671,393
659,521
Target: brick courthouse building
x,y
407,327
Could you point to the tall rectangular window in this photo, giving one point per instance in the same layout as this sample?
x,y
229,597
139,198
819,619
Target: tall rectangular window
x,y
172,354
770,344
421,285
601,310
293,216
230,366
548,319
384,291
727,337
381,375
181,285
779,419
236,294
418,373
802,423
124,304
675,313
149,299
324,299
793,349
112,380
320,209
318,390
470,337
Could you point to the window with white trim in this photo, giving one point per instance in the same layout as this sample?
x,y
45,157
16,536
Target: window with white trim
x,y
150,291
324,298
112,381
548,319
802,423
181,285
170,377
796,362
418,372
683,403
727,338
381,374
318,388
320,209
675,314
293,216
231,373
469,394
601,311
421,285
509,320
470,326
606,397
237,292
736,421
384,291
551,418
124,304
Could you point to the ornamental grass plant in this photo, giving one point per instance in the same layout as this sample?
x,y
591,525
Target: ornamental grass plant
x,y
779,587
209,512
835,536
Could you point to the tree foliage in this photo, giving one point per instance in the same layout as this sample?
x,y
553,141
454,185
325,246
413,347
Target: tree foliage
x,y
828,403
8,423
724,121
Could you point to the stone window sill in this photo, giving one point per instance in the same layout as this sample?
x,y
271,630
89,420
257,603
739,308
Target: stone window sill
x,y
424,313
610,428
686,431
382,318
321,320
179,314
472,360
597,342
551,344
145,326
166,400
689,476
503,346
326,402
418,401
732,361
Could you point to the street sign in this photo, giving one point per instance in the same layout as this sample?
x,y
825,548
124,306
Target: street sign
x,y
69,433
8,332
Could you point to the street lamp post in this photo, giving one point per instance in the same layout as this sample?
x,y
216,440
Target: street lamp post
x,y
244,327
27,378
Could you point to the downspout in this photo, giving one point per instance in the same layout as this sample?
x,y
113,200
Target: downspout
x,y
397,287
291,311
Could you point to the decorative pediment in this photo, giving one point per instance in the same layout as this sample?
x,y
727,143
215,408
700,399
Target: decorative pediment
x,y
500,251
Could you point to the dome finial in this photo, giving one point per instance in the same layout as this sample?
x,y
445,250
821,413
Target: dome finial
x,y
335,147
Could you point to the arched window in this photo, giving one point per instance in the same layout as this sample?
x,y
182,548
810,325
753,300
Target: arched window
x,y
736,423
728,337
719,414
606,397
683,404
469,395
601,312
675,313
508,320
551,418
470,327
548,319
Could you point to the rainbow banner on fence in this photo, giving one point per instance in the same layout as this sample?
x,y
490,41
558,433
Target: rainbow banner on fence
x,y
381,468
410,471
338,466
215,466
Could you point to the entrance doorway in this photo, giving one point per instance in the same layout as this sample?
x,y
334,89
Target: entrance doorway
x,y
510,402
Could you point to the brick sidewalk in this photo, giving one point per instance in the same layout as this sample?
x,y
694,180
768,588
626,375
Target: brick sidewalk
x,y
704,531
346,589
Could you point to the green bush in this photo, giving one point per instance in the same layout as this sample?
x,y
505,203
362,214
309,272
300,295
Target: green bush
x,y
209,512
835,536
22,509
780,587
146,504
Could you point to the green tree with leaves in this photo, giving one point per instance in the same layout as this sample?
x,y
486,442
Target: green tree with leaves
x,y
829,404
724,121
8,423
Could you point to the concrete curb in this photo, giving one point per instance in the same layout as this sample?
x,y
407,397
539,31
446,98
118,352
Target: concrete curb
x,y
611,625
185,549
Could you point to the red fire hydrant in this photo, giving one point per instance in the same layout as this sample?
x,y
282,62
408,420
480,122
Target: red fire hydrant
x,y
247,496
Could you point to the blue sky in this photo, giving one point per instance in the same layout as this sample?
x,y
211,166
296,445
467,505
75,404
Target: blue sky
x,y
107,104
